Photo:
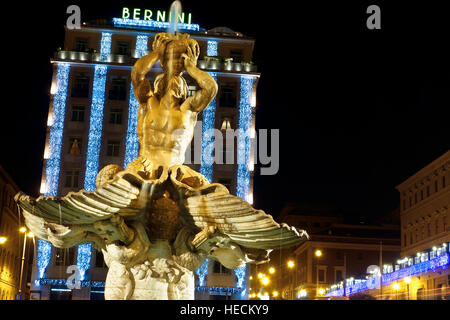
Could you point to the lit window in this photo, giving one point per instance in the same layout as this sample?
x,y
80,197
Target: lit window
x,y
226,124
75,145
191,90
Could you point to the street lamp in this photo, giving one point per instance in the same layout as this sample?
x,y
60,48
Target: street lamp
x,y
318,254
265,281
396,287
30,235
291,265
3,240
407,281
271,270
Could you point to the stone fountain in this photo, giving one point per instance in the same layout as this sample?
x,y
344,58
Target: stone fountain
x,y
157,221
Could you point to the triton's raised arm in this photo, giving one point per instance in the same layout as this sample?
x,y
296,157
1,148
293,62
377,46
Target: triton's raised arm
x,y
208,86
141,86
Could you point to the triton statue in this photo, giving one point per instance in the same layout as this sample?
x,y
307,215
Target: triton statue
x,y
157,221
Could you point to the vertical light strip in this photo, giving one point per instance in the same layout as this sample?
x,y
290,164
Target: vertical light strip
x,y
240,279
84,258
95,127
44,254
141,46
244,141
132,141
53,162
212,48
105,47
243,153
206,167
202,272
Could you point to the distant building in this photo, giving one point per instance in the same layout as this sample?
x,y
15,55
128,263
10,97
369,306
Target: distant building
x,y
346,250
12,243
92,123
422,272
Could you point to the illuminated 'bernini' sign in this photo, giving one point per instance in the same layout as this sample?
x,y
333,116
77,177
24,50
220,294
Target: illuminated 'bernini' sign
x,y
147,14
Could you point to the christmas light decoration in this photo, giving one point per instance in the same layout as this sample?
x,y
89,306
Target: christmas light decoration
x,y
132,141
206,167
84,258
202,272
44,254
95,127
52,165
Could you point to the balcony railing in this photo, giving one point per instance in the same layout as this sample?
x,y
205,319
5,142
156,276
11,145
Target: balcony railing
x,y
208,64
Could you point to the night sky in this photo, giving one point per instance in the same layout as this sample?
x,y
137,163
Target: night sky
x,y
359,110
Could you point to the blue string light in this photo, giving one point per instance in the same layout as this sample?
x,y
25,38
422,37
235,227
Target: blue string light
x,y
212,48
44,254
141,45
84,258
132,141
105,46
152,24
207,159
374,282
53,162
202,272
95,127
244,141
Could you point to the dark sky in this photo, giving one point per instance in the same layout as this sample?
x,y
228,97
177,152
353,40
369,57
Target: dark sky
x,y
359,110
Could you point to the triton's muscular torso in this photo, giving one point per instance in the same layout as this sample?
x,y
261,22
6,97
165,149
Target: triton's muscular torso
x,y
167,131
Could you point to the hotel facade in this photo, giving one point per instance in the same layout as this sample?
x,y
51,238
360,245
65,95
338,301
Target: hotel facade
x,y
92,123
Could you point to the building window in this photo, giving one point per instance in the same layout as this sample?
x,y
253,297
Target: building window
x,y
226,123
115,115
113,148
415,198
80,88
72,178
64,256
428,191
81,44
75,145
123,48
321,275
437,226
428,229
237,55
227,96
77,113
219,268
404,239
421,194
443,181
339,276
118,90
191,90
436,188
410,238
